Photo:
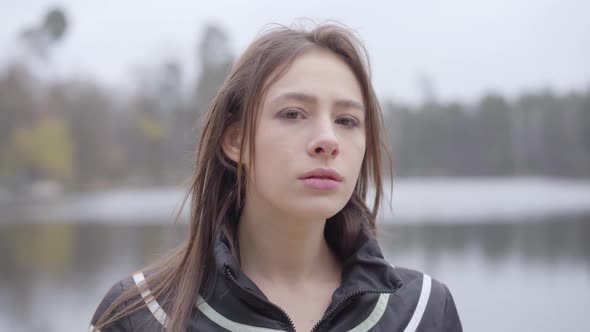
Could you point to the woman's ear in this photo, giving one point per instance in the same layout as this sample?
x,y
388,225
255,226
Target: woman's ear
x,y
230,142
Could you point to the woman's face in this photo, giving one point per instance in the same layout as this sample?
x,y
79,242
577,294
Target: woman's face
x,y
310,139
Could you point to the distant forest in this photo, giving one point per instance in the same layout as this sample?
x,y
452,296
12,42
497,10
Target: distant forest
x,y
85,135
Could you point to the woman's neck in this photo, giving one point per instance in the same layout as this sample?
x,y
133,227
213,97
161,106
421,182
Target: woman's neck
x,y
284,249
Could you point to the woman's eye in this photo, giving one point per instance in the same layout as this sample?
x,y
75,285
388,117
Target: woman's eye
x,y
348,122
291,114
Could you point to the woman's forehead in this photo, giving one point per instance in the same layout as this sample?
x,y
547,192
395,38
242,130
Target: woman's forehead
x,y
315,75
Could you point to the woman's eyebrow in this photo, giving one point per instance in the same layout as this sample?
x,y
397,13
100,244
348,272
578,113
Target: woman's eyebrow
x,y
311,99
349,103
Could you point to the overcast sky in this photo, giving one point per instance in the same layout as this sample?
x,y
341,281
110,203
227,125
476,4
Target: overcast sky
x,y
466,47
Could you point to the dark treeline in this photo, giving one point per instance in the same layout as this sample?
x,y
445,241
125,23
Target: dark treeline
x,y
536,134
84,135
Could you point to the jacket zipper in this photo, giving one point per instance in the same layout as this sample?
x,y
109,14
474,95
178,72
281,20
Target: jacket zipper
x,y
327,316
348,297
231,276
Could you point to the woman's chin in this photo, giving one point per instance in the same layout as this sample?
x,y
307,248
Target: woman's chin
x,y
316,209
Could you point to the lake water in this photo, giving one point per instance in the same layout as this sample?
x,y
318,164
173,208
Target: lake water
x,y
524,277
513,271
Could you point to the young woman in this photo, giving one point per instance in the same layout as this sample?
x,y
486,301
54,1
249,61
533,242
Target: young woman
x,y
281,238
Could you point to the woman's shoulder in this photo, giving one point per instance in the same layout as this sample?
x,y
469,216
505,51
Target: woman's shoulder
x,y
430,297
110,297
419,279
122,294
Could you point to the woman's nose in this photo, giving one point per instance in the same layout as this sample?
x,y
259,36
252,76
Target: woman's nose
x,y
324,142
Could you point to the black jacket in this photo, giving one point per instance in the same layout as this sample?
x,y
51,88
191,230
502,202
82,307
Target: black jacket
x,y
374,296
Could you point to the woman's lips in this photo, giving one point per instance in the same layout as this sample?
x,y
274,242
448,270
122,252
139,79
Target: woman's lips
x,y
320,183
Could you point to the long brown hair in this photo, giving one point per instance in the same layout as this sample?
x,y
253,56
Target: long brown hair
x,y
217,187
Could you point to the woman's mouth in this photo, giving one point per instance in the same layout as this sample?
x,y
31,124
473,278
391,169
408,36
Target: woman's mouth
x,y
322,179
321,184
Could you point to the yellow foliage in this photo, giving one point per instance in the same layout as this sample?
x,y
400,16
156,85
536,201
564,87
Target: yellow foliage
x,y
47,145
152,129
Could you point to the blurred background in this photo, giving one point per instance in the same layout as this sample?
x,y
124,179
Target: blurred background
x,y
487,104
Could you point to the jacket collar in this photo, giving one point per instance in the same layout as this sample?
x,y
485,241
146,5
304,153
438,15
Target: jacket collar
x,y
365,269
